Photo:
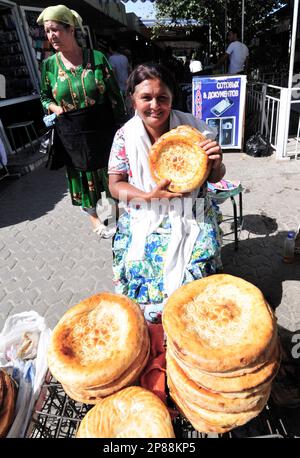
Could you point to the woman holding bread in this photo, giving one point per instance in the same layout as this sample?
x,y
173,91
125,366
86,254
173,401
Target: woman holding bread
x,y
159,244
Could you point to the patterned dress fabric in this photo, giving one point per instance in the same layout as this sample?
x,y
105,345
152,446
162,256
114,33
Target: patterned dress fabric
x,y
84,86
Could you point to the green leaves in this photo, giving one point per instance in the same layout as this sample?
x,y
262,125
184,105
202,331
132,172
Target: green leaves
x,y
219,15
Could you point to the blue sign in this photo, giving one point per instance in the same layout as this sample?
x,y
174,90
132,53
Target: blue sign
x,y
220,102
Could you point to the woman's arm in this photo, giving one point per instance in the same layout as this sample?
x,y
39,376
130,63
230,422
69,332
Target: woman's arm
x,y
47,99
217,174
120,189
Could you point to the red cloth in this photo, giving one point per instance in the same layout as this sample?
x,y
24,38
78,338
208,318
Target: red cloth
x,y
153,377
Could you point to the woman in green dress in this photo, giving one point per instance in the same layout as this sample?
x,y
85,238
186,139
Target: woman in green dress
x,y
79,79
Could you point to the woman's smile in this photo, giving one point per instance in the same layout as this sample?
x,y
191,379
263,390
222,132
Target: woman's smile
x,y
152,99
154,114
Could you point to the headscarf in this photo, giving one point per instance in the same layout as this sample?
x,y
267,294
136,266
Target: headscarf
x,y
61,13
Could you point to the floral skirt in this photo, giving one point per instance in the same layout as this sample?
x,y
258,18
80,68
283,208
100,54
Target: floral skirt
x,y
142,281
86,187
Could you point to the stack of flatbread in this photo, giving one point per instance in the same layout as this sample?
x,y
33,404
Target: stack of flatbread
x,y
131,413
8,393
222,351
99,346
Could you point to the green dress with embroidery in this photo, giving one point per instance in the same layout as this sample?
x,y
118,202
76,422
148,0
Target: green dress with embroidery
x,y
84,86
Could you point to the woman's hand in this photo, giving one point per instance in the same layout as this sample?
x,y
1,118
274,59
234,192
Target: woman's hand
x,y
161,191
120,189
213,151
58,110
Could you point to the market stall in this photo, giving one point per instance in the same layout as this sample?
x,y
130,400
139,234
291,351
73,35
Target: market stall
x,y
16,64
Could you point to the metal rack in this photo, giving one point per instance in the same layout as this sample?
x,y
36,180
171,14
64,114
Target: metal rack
x,y
58,416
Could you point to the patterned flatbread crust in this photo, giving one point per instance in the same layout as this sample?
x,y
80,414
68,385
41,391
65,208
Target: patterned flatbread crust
x,y
220,323
177,156
96,341
131,413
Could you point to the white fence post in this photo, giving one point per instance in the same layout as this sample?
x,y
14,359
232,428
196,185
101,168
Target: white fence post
x,y
263,120
282,124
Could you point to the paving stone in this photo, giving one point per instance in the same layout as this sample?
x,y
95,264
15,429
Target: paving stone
x,y
52,320
68,262
32,274
80,296
63,274
13,297
32,295
6,254
40,284
12,285
6,275
6,306
6,313
56,284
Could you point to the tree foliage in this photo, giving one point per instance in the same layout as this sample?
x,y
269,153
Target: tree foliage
x,y
215,13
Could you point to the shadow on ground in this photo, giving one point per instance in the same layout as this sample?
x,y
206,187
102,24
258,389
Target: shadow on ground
x,y
31,196
259,224
259,260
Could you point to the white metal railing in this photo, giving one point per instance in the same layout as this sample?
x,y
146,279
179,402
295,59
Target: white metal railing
x,y
295,106
271,105
276,78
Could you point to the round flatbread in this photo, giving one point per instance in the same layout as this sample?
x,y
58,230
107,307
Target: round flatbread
x,y
1,387
92,395
7,410
205,398
96,340
177,156
221,421
131,413
222,385
220,323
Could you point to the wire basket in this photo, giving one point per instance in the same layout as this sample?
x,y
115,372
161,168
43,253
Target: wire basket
x,y
56,415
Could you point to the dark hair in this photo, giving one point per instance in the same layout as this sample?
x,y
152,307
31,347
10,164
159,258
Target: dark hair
x,y
114,46
150,71
235,31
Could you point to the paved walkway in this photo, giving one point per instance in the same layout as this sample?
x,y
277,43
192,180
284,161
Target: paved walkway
x,y
50,259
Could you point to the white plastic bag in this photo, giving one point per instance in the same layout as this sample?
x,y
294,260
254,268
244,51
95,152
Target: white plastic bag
x,y
24,342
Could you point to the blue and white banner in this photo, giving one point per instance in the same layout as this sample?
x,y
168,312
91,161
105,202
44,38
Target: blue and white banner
x,y
220,102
